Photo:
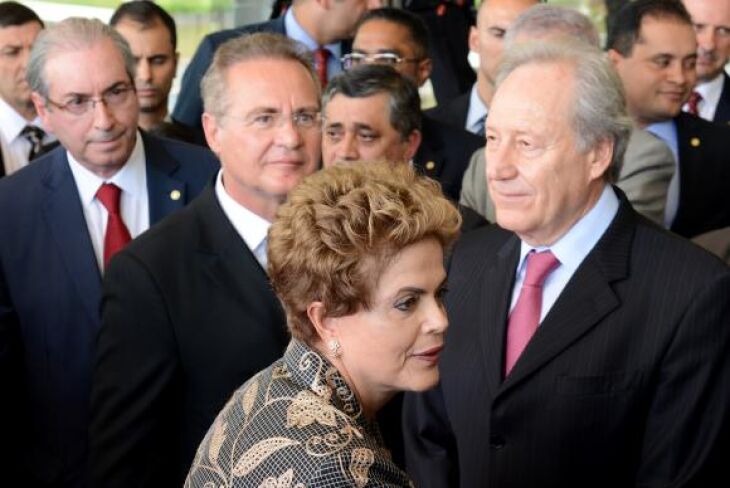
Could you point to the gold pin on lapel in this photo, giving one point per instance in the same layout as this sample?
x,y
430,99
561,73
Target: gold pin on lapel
x,y
430,165
175,195
694,142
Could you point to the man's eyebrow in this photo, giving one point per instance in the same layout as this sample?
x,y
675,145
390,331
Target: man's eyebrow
x,y
361,126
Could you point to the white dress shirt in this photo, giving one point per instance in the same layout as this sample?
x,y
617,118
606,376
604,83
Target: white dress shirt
x,y
711,92
134,201
251,227
15,148
571,250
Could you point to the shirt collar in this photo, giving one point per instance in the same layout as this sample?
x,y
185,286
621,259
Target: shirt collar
x,y
477,109
711,90
295,31
667,132
130,178
12,123
575,245
251,227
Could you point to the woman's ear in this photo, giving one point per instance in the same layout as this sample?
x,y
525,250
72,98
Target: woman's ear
x,y
323,325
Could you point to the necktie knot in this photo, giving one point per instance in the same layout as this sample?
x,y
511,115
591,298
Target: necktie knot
x,y
34,135
693,103
539,266
109,194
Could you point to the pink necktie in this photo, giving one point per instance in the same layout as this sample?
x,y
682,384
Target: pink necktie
x,y
693,103
117,234
320,63
525,317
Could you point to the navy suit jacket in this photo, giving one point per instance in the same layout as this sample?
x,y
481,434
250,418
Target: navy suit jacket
x,y
453,112
625,383
704,176
722,112
50,294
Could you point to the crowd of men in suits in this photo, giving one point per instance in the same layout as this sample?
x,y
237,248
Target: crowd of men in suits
x,y
133,291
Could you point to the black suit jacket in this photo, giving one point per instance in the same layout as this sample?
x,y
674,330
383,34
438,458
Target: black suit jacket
x,y
704,176
188,316
453,112
722,112
444,154
625,383
50,290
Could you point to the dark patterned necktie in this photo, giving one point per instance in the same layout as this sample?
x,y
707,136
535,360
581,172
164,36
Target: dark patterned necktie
x,y
35,136
693,103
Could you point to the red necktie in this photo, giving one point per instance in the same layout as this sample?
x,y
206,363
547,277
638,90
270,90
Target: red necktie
x,y
117,234
320,62
525,317
693,102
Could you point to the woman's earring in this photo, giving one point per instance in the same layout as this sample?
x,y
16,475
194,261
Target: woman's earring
x,y
334,346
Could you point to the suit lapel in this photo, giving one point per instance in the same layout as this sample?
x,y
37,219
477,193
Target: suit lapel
x,y
586,300
231,265
64,217
496,296
166,194
722,112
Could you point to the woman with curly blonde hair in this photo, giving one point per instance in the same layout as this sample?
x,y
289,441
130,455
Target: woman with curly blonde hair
x,y
356,258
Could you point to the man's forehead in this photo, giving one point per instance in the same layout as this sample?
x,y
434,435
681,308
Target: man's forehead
x,y
659,33
373,32
376,104
28,31
502,12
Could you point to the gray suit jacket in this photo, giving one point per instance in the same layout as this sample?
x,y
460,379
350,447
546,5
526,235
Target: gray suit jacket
x,y
644,177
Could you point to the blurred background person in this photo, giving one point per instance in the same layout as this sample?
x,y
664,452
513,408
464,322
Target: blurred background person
x,y
710,98
152,37
356,258
22,135
323,27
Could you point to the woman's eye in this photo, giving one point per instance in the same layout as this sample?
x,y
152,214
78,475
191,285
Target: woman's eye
x,y
406,304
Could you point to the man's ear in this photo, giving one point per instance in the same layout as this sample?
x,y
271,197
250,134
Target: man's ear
x,y
425,67
211,129
614,56
413,143
600,159
39,102
474,39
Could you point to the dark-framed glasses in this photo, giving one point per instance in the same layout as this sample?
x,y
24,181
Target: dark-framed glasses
x,y
115,96
270,119
389,59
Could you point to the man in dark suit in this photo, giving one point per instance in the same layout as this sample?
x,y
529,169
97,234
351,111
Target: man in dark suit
x,y
469,109
400,39
22,137
188,314
711,96
588,347
59,236
652,45
321,26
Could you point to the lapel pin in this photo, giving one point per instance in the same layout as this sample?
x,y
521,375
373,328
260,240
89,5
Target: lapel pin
x,y
695,142
430,165
175,195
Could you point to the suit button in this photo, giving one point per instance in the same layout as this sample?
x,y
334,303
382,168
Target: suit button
x,y
496,442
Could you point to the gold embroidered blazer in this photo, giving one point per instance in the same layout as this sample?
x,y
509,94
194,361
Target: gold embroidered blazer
x,y
295,424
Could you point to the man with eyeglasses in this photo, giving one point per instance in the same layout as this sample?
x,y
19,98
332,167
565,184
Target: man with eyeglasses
x,y
399,39
323,26
64,217
189,314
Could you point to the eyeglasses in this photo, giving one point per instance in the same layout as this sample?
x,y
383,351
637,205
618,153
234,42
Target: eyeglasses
x,y
390,59
268,120
114,97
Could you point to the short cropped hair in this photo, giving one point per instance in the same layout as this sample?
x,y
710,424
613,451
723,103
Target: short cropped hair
x,y
416,27
72,34
540,20
372,79
262,45
624,27
14,14
599,110
339,230
146,13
